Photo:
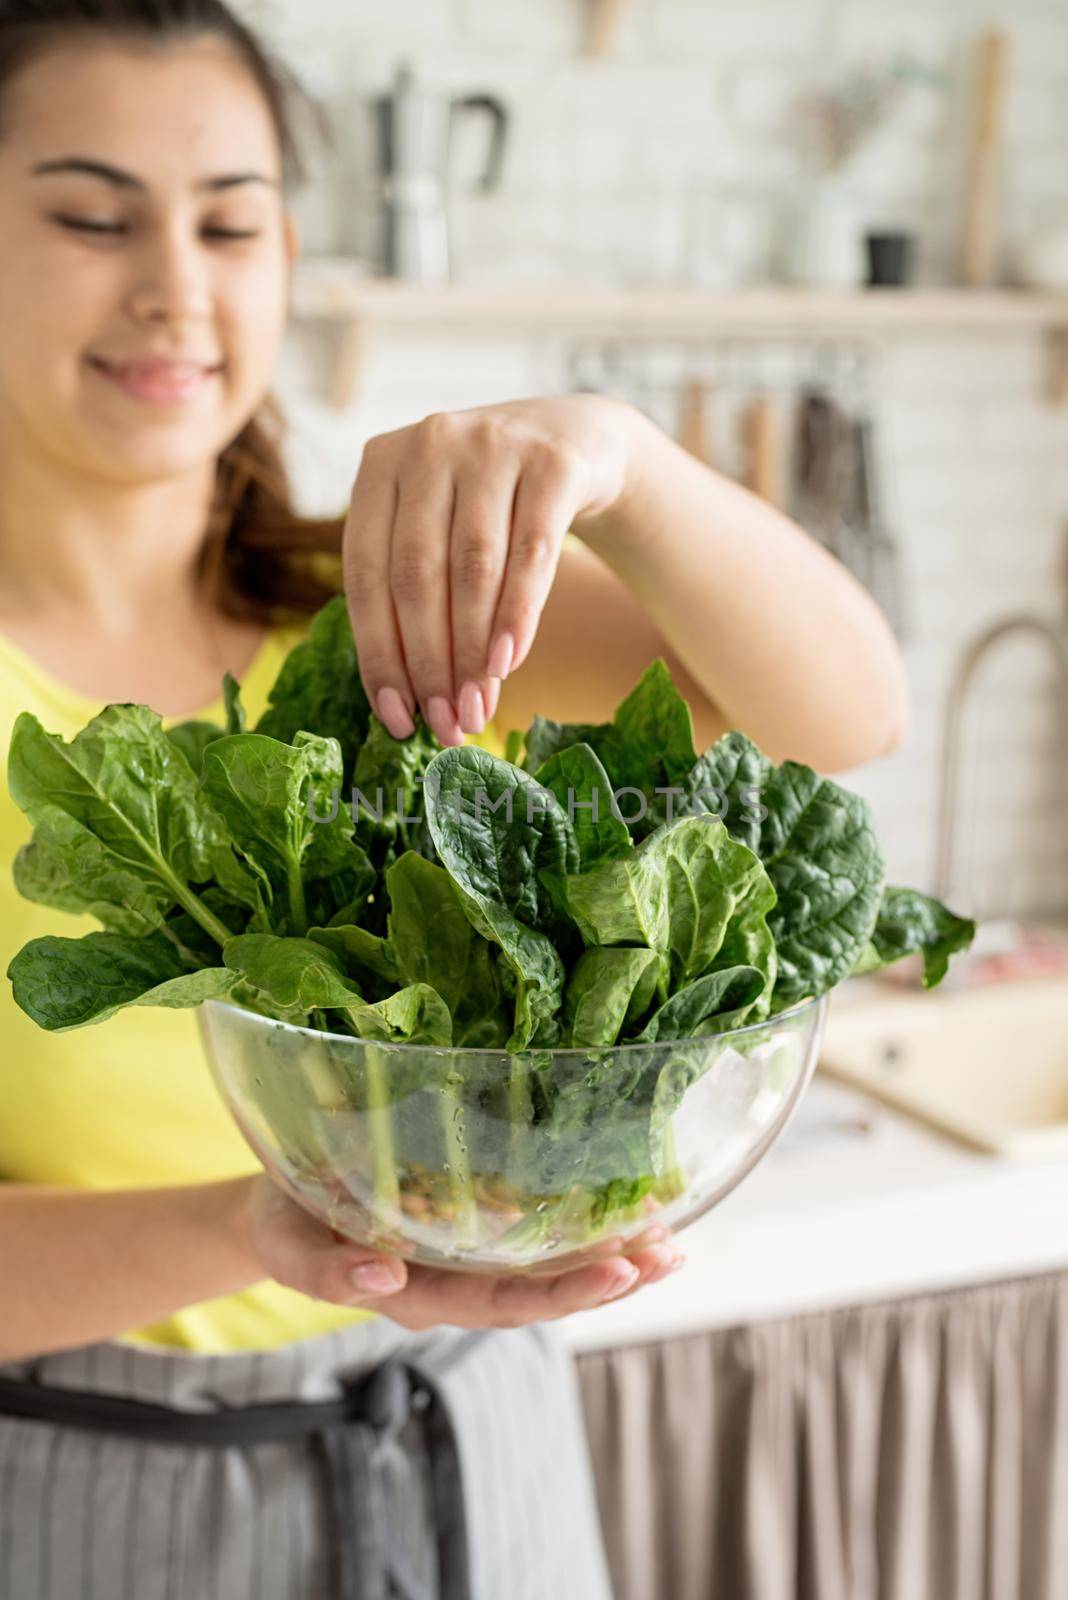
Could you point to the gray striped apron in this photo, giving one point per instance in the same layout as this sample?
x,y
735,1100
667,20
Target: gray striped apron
x,y
443,1465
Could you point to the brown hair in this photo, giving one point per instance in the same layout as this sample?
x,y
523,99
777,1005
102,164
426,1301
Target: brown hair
x,y
259,559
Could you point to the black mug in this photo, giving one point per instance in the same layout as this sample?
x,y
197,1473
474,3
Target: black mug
x,y
889,259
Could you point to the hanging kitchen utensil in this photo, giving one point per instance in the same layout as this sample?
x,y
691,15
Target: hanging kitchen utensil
x,y
762,450
884,575
695,420
822,485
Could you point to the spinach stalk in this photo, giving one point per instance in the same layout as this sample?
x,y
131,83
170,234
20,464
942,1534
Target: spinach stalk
x,y
298,910
458,1162
197,909
385,1182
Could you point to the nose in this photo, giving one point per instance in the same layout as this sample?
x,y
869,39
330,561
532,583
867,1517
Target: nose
x,y
172,278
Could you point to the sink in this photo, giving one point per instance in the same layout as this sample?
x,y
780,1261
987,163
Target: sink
x,y
988,1066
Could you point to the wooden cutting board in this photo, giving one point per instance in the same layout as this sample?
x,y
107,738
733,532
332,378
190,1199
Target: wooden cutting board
x,y
980,233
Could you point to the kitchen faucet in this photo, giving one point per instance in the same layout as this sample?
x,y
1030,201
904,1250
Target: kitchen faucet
x,y
1055,636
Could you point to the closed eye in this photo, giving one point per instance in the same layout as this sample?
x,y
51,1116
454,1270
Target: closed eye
x,y
80,225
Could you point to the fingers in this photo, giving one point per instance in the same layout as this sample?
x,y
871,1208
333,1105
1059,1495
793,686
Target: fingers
x,y
545,503
478,555
653,1252
366,545
432,1297
469,1300
520,1300
419,581
450,550
303,1254
654,1263
491,695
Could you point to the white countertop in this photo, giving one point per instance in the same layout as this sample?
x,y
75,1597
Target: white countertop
x,y
833,1217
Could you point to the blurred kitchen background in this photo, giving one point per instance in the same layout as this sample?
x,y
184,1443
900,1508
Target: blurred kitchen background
x,y
825,245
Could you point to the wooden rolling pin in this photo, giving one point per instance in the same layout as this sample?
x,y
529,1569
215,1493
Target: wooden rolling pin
x,y
763,456
979,239
601,23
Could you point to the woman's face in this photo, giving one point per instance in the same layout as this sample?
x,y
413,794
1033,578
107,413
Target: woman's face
x,y
100,270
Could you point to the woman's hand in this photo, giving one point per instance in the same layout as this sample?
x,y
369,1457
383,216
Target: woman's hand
x,y
296,1250
451,545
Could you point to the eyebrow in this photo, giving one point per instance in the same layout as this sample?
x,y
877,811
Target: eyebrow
x,y
128,180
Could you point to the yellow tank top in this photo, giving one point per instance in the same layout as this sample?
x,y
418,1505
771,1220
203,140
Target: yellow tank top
x,y
129,1103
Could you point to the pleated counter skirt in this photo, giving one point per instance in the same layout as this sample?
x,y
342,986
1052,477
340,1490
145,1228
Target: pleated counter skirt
x,y
372,1463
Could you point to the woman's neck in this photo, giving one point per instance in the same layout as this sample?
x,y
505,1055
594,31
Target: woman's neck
x,y
109,554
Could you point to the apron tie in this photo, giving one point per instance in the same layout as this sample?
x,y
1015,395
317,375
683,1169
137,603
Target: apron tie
x,y
372,1558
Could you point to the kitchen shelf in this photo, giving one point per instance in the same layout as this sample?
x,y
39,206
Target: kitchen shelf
x,y
363,305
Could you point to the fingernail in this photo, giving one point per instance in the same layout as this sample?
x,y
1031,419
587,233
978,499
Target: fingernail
x,y
491,697
500,657
623,1280
665,1268
472,711
374,1277
442,719
394,713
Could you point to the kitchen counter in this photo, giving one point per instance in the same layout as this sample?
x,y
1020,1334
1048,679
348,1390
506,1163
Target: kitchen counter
x,y
834,1216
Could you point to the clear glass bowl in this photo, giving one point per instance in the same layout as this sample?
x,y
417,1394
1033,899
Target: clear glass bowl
x,y
485,1160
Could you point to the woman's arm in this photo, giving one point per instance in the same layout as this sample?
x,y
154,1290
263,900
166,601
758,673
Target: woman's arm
x,y
762,629
78,1266
464,597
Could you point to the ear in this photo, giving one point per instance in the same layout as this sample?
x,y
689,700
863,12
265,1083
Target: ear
x,y
292,236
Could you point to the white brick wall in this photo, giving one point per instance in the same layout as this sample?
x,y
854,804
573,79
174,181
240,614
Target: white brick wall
x,y
685,130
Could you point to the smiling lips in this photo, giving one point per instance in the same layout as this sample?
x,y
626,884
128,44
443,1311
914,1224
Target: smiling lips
x,y
159,381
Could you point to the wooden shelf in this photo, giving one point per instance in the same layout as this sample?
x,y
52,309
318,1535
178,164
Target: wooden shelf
x,y
659,311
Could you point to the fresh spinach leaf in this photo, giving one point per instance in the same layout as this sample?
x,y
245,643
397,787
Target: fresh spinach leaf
x,y
710,1004
647,746
501,835
276,800
191,738
819,846
508,849
297,974
388,779
365,957
319,688
583,790
126,783
434,942
69,983
416,1014
910,922
609,988
235,711
676,893
727,781
66,866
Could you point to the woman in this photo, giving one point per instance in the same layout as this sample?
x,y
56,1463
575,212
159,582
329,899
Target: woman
x,y
153,1273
